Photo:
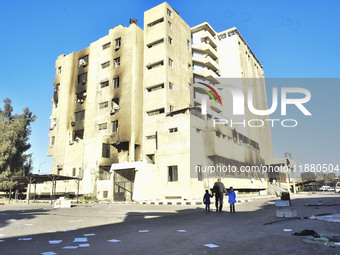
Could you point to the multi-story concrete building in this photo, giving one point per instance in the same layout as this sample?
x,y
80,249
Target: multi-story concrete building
x,y
127,114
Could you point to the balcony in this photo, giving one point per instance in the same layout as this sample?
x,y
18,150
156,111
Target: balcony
x,y
208,62
206,48
208,74
209,39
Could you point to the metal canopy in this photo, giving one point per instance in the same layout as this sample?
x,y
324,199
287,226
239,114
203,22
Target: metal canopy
x,y
37,178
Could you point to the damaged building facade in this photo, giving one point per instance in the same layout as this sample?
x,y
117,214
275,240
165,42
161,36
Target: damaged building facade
x,y
127,111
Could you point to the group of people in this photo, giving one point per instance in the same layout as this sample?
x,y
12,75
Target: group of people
x,y
219,190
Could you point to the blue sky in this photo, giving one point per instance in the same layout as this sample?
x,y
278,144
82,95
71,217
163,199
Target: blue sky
x,y
290,38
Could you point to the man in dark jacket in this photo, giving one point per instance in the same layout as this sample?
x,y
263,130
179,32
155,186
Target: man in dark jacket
x,y
219,189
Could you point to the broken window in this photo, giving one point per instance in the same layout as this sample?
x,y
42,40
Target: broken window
x,y
156,87
102,126
56,94
104,105
171,86
78,134
115,126
83,61
150,158
155,43
116,82
104,84
59,70
155,112
169,40
106,64
154,65
173,130
117,62
106,150
79,116
171,62
151,24
80,97
82,78
106,45
169,24
172,173
149,137
114,105
52,140
169,12
118,43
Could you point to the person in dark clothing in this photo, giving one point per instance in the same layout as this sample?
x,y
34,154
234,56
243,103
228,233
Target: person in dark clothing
x,y
219,189
206,200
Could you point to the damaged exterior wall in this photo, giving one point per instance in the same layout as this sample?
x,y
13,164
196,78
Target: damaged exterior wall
x,y
161,134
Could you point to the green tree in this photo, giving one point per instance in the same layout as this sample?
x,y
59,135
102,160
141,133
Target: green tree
x,y
14,132
308,176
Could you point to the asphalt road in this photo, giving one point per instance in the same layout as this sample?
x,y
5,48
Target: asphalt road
x,y
165,229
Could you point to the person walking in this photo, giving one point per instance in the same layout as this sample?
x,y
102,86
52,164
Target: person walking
x,y
219,189
206,200
232,199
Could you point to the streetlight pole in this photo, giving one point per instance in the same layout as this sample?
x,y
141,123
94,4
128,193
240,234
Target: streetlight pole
x,y
40,166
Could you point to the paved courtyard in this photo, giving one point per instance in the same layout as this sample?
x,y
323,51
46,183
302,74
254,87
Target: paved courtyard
x,y
165,229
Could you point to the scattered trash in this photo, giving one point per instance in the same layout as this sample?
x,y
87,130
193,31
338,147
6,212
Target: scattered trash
x,y
70,247
210,245
287,230
322,240
113,241
84,245
143,231
307,232
55,241
80,240
89,234
48,253
181,231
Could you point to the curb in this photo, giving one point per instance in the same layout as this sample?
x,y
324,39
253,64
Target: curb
x,y
181,202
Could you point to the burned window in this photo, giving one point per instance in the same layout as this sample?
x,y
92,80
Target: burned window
x,y
172,173
115,126
106,150
56,94
80,97
117,62
83,61
78,134
79,116
115,105
82,79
